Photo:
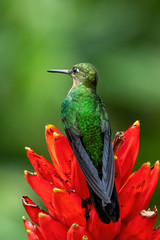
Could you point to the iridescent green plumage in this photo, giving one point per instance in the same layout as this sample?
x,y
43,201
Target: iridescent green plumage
x,y
88,130
82,108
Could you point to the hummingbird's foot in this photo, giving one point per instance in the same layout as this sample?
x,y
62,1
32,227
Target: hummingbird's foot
x,y
84,204
87,214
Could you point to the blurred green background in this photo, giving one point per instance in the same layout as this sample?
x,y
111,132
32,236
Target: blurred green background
x,y
121,38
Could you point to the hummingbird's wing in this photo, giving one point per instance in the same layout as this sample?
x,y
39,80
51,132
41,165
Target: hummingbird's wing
x,y
103,192
86,165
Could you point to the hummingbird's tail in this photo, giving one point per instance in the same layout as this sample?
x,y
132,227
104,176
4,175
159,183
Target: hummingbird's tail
x,y
106,211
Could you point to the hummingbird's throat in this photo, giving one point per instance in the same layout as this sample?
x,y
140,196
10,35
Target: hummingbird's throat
x,y
75,82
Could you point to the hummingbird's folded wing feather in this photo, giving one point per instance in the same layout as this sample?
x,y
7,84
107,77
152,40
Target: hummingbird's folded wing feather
x,y
108,162
108,173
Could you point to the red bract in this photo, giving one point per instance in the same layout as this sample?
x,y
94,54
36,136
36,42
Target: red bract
x,y
63,189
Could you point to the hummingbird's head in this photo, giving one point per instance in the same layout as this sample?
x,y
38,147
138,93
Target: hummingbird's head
x,y
82,74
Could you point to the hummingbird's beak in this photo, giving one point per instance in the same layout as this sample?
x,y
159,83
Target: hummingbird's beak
x,y
64,71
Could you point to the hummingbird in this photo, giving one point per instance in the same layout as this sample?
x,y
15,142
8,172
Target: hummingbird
x,y
88,131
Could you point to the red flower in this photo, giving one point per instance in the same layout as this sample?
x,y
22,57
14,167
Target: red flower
x,y
63,189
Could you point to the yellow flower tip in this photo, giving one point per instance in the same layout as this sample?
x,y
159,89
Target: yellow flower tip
x,y
115,158
35,173
75,225
157,165
25,172
41,214
48,126
137,123
57,190
84,238
29,230
148,164
24,218
55,135
27,149
49,129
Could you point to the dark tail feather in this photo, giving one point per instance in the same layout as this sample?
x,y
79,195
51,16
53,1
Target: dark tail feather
x,y
109,212
97,203
112,208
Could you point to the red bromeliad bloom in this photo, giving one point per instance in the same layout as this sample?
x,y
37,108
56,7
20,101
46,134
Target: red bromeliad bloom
x,y
63,189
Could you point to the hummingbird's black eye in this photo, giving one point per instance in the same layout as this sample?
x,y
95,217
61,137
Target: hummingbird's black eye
x,y
75,70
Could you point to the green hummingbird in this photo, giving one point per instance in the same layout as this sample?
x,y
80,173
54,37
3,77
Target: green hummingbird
x,y
88,130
